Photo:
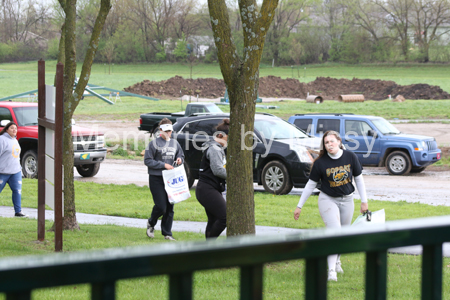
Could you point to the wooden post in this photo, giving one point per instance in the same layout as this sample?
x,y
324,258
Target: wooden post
x,y
41,151
57,126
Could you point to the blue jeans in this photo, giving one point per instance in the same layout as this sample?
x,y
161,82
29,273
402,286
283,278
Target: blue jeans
x,y
15,183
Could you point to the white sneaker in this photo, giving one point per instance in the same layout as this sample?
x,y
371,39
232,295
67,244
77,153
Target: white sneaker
x,y
332,275
169,237
339,267
150,230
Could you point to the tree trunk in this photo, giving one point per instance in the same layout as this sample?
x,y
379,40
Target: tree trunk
x,y
241,77
72,98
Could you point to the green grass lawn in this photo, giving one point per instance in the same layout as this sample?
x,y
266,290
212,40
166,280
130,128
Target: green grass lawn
x,y
270,210
20,77
282,280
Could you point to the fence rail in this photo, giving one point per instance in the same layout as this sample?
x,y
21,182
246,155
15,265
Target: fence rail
x,y
19,276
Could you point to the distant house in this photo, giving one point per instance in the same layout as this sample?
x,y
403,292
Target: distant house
x,y
200,44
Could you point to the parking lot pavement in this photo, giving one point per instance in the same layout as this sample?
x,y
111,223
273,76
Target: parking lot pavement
x,y
197,227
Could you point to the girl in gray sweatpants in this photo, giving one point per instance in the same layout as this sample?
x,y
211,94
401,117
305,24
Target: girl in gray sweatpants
x,y
336,169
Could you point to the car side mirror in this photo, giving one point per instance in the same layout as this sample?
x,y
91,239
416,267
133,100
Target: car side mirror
x,y
3,123
372,133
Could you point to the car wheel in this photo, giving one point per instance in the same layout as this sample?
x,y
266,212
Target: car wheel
x,y
190,178
155,132
276,179
417,170
88,170
398,163
30,164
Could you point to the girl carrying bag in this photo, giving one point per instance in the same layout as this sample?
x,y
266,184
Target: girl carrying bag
x,y
176,184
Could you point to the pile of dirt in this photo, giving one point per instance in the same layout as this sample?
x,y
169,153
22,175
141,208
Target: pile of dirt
x,y
272,86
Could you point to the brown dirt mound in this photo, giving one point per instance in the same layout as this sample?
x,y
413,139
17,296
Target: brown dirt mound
x,y
272,86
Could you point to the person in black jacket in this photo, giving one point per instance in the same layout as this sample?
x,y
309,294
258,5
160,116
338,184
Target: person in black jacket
x,y
211,181
160,155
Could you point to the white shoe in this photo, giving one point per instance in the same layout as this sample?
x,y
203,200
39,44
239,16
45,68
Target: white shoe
x,y
150,230
169,237
339,267
332,275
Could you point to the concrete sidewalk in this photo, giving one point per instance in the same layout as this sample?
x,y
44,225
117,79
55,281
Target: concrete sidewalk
x,y
197,227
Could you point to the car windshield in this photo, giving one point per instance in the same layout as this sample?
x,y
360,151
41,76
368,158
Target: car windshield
x,y
276,128
214,109
26,116
385,127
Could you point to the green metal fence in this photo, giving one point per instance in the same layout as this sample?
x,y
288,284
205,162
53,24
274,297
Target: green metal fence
x,y
19,276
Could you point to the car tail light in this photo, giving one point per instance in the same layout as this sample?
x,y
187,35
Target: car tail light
x,y
438,156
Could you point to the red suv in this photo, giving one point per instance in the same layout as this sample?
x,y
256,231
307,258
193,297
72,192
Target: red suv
x,y
88,145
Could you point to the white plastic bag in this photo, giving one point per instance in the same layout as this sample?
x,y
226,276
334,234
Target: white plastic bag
x,y
378,216
176,184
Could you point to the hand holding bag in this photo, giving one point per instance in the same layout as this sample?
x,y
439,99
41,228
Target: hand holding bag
x,y
176,184
369,217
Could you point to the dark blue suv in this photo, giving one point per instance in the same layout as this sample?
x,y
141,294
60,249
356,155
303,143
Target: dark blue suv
x,y
375,141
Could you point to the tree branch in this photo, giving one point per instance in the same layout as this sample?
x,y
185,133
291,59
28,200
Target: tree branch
x,y
92,49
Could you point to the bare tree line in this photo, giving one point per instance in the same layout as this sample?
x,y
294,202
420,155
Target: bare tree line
x,y
302,31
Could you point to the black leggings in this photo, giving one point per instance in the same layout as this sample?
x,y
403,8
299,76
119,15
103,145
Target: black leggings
x,y
215,207
162,206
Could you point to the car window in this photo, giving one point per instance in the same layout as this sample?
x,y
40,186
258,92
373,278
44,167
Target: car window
x,y
209,126
190,127
214,109
357,127
5,114
327,124
276,128
26,116
304,124
197,109
385,127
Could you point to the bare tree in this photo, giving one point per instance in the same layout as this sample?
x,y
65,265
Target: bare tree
x,y
109,52
156,19
288,16
397,17
368,16
72,98
241,77
186,20
21,19
428,18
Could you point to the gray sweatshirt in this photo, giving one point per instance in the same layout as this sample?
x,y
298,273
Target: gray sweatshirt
x,y
217,158
9,155
160,152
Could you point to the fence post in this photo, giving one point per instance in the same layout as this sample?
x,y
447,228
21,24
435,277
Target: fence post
x,y
103,291
376,272
432,272
316,279
180,286
252,282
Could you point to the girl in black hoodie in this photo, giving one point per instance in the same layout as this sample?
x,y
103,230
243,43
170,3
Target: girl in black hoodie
x,y
211,182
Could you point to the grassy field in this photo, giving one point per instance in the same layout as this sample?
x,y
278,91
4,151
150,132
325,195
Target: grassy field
x,y
270,210
282,280
21,77
131,108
